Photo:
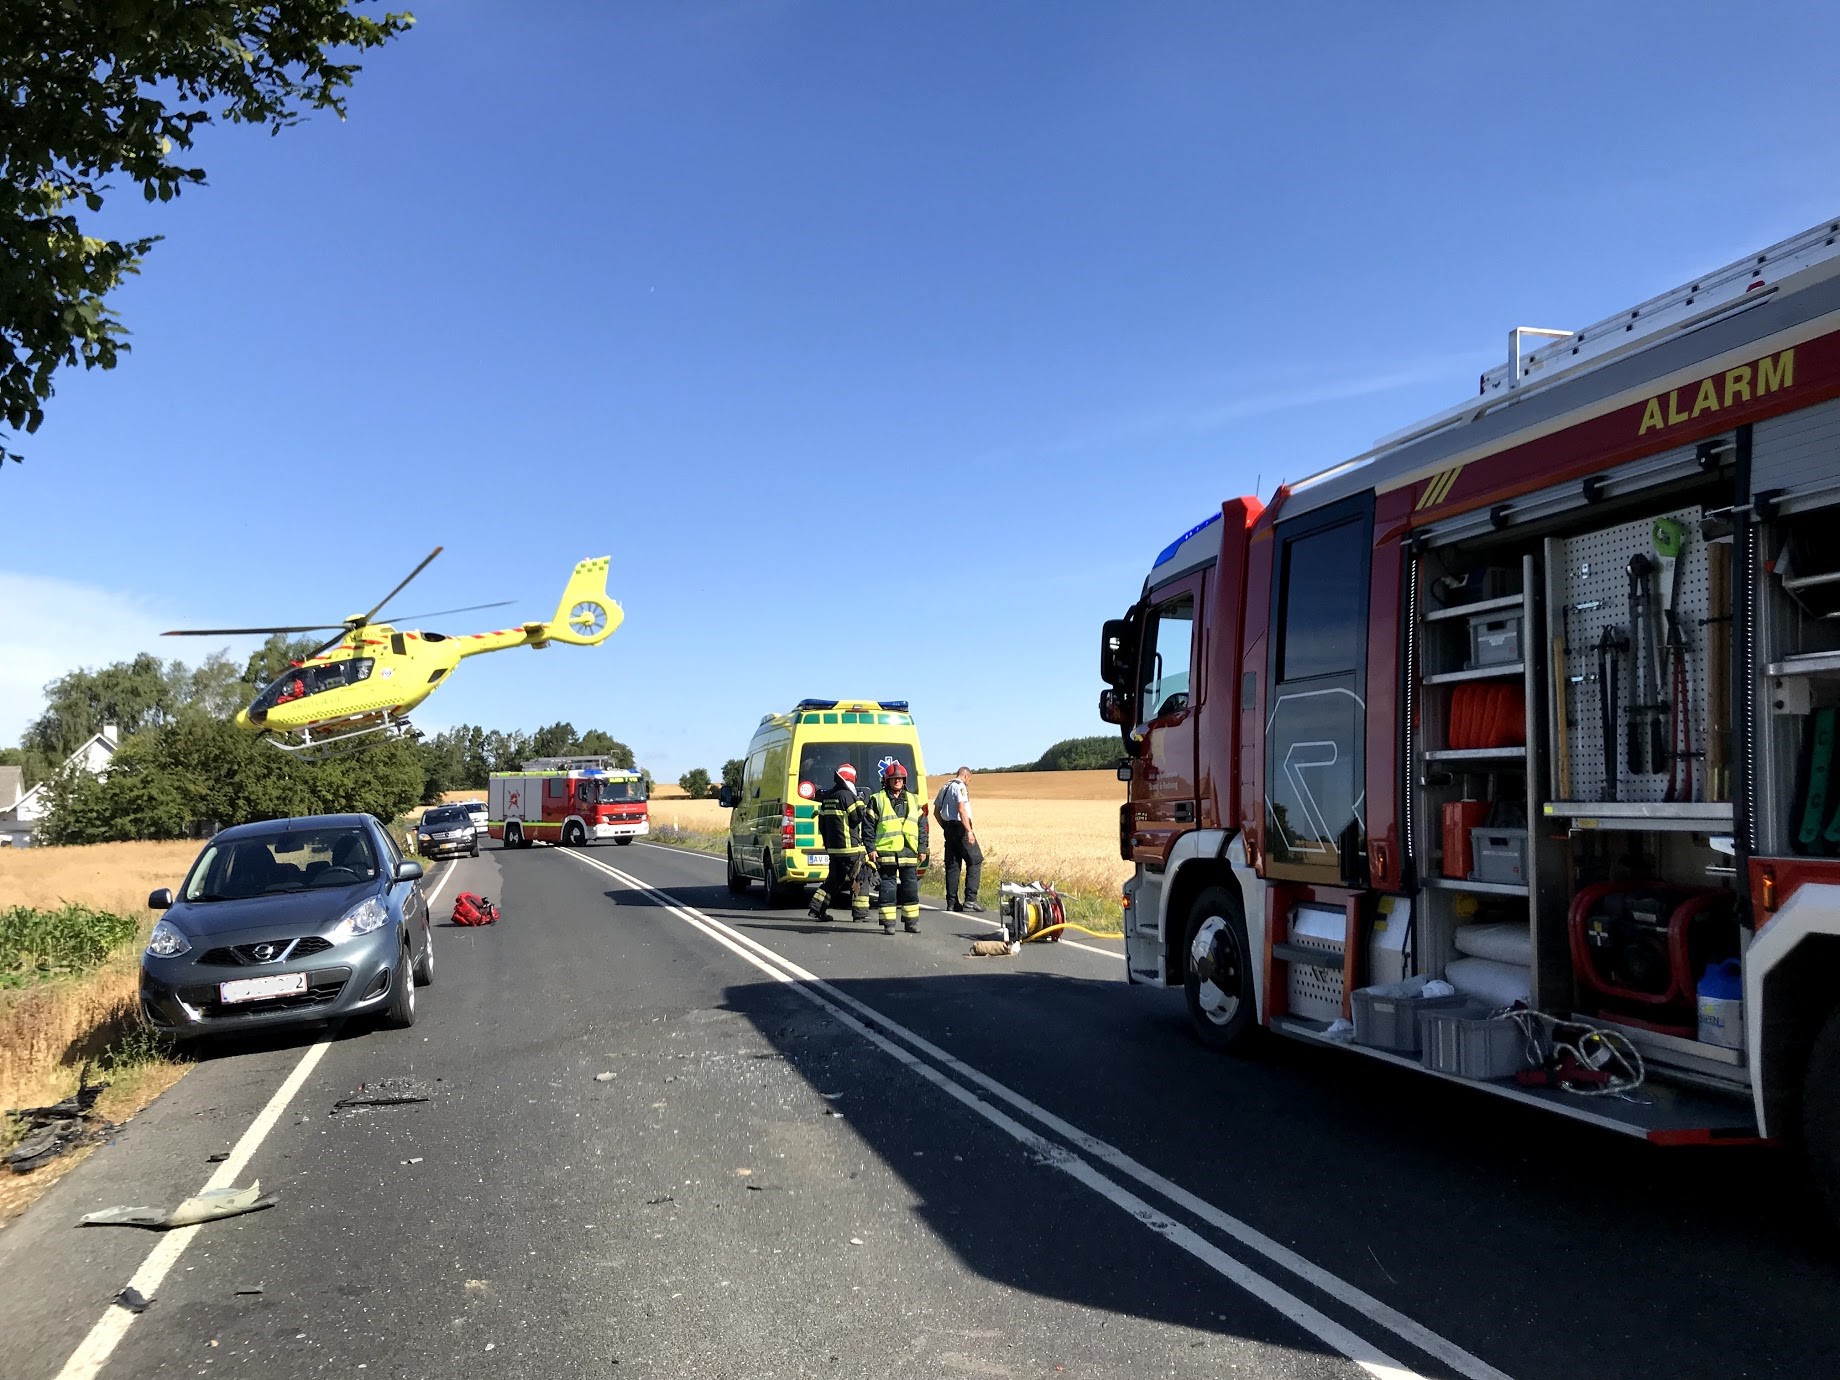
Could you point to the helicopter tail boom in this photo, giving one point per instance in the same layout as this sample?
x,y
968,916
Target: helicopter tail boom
x,y
585,616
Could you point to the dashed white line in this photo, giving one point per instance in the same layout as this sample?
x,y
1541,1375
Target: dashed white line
x,y
94,1350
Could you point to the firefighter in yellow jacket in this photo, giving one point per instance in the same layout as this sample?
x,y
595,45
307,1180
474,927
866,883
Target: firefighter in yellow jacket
x,y
840,830
895,830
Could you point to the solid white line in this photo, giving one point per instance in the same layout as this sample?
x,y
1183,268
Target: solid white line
x,y
94,1350
993,924
1326,1329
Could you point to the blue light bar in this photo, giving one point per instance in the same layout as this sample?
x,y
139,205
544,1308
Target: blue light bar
x,y
1171,549
814,704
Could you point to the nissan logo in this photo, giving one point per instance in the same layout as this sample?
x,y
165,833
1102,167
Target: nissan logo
x,y
264,952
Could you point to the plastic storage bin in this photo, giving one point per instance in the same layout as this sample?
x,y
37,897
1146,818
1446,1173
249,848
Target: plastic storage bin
x,y
1720,1005
1499,855
1464,1041
1387,1017
1494,640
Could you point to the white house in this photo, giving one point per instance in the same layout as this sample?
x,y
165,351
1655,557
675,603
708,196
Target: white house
x,y
19,814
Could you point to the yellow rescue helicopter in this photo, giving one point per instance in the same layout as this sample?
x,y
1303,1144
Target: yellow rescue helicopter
x,y
358,687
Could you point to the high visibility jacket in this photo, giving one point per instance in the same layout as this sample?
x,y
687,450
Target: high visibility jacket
x,y
897,831
840,826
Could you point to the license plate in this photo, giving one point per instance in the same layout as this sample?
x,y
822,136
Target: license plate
x,y
818,859
256,988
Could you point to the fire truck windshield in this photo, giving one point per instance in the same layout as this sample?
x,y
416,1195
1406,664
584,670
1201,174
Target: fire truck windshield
x,y
621,790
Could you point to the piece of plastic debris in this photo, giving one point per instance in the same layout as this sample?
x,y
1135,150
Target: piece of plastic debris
x,y
743,1173
856,1241
604,1077
249,1289
1341,1030
416,1160
755,1188
209,1206
218,1158
832,1111
133,1300
654,1202
385,1092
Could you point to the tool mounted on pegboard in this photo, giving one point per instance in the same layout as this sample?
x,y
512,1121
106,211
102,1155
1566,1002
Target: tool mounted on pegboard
x,y
1670,545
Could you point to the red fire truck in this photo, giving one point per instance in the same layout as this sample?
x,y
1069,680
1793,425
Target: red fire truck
x,y
572,801
1507,750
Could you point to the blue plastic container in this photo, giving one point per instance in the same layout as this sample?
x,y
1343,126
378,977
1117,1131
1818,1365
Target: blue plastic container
x,y
1721,1004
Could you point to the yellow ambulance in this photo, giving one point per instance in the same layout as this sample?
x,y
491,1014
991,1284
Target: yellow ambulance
x,y
773,832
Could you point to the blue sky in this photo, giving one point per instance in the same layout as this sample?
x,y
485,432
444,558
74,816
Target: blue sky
x,y
881,345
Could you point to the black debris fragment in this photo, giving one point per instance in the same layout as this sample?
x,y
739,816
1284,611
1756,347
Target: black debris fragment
x,y
218,1158
132,1299
385,1092
58,1129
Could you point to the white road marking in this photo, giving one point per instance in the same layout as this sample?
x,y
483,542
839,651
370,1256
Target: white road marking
x,y
848,1009
96,1348
989,924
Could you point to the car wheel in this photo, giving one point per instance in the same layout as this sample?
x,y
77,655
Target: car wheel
x,y
573,835
401,1010
738,881
1217,971
424,966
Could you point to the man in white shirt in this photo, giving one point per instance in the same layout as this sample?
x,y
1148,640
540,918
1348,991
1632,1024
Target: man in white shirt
x,y
954,810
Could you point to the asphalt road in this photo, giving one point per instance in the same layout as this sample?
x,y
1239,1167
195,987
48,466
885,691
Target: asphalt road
x,y
829,1152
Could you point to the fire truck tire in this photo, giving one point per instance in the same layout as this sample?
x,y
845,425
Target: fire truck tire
x,y
624,840
738,881
573,835
1821,1115
514,835
1217,971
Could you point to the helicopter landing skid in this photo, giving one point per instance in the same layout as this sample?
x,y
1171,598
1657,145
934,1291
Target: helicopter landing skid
x,y
326,746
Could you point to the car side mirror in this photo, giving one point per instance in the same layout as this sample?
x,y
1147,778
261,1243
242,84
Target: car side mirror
x,y
161,899
726,798
409,870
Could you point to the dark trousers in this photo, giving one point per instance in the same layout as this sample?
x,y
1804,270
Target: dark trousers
x,y
960,849
840,885
900,888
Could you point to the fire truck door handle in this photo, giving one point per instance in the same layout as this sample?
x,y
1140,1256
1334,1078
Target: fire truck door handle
x,y
1185,812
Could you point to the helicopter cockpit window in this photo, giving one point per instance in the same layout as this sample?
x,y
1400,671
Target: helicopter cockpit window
x,y
312,679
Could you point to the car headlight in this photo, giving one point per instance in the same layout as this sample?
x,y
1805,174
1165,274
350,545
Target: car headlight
x,y
166,941
369,914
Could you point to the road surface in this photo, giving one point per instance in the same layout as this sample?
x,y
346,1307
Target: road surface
x,y
824,1151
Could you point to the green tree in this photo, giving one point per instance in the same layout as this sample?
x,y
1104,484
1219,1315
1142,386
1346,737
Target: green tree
x,y
553,740
103,88
597,743
695,783
275,656
1081,754
133,695
731,774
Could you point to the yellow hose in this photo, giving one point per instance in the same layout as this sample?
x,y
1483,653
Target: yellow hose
x,y
1069,925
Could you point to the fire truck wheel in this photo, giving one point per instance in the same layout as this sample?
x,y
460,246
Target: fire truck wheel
x,y
514,836
573,835
1217,972
624,841
1821,1114
738,881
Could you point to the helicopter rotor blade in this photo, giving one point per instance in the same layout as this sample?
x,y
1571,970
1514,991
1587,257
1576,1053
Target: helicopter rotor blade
x,y
329,642
442,613
249,632
400,588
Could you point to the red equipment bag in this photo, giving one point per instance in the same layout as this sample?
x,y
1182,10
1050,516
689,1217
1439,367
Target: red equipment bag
x,y
1487,714
473,909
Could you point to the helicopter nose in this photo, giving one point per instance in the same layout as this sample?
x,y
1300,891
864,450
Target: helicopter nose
x,y
243,719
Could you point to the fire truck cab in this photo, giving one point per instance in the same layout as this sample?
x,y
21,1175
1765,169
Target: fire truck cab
x,y
1507,751
572,801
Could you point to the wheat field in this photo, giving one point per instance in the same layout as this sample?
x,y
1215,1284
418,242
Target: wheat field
x,y
1055,826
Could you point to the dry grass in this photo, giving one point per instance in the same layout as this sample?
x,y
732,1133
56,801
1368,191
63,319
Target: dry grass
x,y
48,1031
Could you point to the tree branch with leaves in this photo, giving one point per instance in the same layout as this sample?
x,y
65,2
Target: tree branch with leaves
x,y
96,89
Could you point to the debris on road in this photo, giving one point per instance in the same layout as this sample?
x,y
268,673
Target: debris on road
x,y
993,948
249,1289
133,1300
218,1158
210,1206
58,1129
385,1092
603,1077
856,1241
655,1202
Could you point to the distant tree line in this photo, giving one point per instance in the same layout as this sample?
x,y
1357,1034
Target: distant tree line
x,y
1098,753
183,768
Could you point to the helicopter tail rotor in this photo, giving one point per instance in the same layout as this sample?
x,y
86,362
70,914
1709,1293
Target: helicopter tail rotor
x,y
586,616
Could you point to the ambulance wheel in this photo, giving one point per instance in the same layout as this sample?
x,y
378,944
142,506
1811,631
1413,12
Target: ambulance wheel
x,y
1821,1115
738,881
1217,971
573,835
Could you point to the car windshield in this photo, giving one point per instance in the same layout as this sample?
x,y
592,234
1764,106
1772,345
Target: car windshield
x,y
290,860
447,814
818,763
313,678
